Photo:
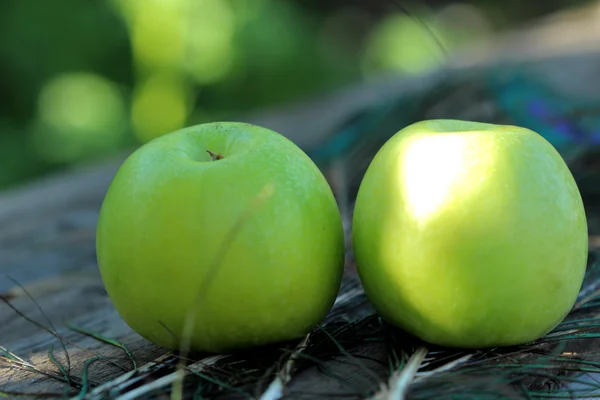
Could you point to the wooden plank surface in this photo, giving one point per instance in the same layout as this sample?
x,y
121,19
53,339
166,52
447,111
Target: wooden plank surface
x,y
47,245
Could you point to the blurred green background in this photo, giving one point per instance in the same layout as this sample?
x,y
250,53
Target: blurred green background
x,y
81,80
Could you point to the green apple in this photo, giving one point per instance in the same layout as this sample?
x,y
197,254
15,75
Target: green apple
x,y
470,234
228,224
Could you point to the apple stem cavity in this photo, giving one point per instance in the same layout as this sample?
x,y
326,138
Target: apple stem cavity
x,y
214,156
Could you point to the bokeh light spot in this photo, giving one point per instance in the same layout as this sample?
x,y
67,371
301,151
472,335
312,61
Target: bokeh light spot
x,y
401,44
160,105
157,34
78,114
209,40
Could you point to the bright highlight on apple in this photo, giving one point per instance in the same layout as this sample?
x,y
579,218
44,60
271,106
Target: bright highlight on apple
x,y
469,234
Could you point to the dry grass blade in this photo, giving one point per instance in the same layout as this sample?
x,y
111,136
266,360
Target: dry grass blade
x,y
347,297
587,299
276,387
17,362
446,367
55,333
170,378
402,378
10,355
120,384
52,329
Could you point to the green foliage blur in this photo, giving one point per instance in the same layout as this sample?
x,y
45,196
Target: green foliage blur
x,y
81,80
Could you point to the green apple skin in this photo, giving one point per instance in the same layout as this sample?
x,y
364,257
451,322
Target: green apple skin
x,y
250,244
470,235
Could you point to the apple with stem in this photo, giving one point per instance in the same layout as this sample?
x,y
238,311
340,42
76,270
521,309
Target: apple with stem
x,y
227,228
470,234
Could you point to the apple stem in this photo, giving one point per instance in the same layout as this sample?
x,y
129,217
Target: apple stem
x,y
214,156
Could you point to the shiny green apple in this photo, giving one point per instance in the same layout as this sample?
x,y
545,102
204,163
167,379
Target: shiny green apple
x,y
229,223
469,234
